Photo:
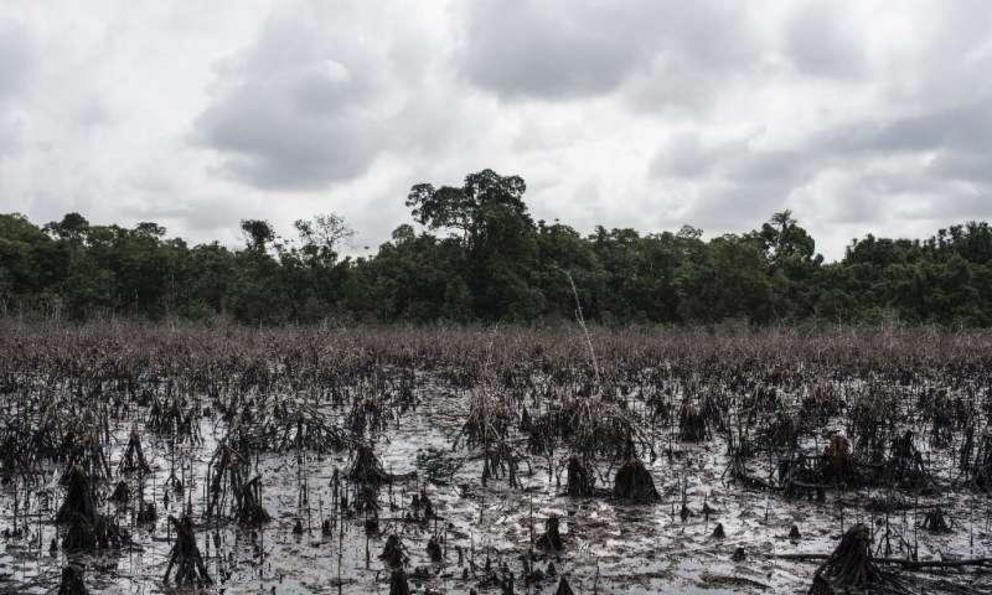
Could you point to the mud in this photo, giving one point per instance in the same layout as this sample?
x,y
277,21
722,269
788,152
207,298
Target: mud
x,y
609,546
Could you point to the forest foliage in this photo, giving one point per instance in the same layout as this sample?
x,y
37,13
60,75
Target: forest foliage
x,y
480,257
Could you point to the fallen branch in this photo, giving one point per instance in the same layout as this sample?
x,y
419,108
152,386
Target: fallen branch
x,y
907,564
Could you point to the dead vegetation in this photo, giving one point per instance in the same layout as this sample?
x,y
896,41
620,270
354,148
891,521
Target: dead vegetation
x,y
889,421
185,558
850,569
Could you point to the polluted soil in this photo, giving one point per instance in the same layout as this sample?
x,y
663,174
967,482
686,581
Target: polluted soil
x,y
436,461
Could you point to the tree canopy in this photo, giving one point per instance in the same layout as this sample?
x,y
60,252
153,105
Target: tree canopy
x,y
479,256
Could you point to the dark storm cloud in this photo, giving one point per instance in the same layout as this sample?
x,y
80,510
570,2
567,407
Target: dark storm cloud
x,y
295,111
17,57
742,181
528,49
560,50
272,145
943,156
684,157
965,127
821,41
966,166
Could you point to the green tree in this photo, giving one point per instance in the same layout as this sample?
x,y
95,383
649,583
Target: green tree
x,y
258,233
484,197
498,236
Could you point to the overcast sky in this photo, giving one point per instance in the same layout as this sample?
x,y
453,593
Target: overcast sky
x,y
861,116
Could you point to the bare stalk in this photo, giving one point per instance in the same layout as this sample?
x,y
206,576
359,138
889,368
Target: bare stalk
x,y
582,323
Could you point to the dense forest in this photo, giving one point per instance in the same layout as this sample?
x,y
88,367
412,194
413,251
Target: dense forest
x,y
482,258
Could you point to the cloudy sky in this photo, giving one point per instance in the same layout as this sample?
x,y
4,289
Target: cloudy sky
x,y
868,115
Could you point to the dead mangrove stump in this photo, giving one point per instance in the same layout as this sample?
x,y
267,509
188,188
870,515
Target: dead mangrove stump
x,y
936,522
88,530
551,540
393,553
249,500
794,534
71,582
367,469
580,479
185,557
434,551
99,532
79,499
850,568
633,483
121,494
134,457
693,426
147,513
564,588
398,584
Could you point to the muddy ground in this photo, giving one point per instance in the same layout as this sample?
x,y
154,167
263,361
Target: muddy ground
x,y
609,547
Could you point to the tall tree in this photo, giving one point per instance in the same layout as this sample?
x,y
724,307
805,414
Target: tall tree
x,y
469,208
258,233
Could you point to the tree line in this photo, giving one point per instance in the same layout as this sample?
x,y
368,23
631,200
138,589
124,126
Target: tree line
x,y
480,257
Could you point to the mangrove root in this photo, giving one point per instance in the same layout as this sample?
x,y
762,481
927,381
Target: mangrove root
x,y
634,483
